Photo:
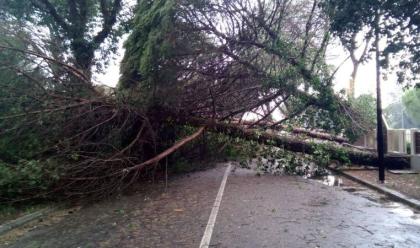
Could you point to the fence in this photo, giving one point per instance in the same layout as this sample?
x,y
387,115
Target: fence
x,y
396,141
415,141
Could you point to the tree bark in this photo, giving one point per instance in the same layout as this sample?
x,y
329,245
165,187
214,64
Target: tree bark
x,y
356,61
168,151
298,145
297,130
352,82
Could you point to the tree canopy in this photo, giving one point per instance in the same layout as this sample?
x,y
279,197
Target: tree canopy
x,y
214,53
78,28
399,26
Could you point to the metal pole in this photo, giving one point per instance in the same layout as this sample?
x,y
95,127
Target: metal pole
x,y
380,133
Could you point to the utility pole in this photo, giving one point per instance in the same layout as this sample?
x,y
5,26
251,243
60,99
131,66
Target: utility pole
x,y
379,128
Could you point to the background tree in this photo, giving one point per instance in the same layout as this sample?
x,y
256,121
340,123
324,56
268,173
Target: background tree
x,y
389,19
15,97
352,46
366,105
399,26
397,116
81,29
411,101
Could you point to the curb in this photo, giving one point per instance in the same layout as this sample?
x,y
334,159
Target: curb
x,y
393,194
8,226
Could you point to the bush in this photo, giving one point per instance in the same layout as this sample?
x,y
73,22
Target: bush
x,y
320,156
26,178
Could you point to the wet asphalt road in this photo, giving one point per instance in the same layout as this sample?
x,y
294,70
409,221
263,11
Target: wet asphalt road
x,y
273,211
256,211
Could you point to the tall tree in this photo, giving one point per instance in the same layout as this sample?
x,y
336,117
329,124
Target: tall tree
x,y
395,21
351,45
82,26
399,27
229,57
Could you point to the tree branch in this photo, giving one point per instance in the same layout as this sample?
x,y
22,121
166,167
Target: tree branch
x,y
110,18
168,151
52,11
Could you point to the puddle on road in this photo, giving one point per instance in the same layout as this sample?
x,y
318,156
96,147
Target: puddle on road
x,y
401,210
378,198
332,180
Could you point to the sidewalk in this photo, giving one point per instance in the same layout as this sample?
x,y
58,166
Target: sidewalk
x,y
408,184
403,187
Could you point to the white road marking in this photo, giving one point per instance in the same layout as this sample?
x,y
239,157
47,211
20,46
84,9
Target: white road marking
x,y
205,241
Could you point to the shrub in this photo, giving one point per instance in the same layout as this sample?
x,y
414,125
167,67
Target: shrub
x,y
26,178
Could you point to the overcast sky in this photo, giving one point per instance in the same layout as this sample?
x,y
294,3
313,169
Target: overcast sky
x,y
366,76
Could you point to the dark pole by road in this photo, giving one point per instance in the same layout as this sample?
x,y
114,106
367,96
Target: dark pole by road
x,y
379,128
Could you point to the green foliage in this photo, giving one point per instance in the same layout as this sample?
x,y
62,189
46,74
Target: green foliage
x,y
27,146
399,25
151,41
332,119
16,97
365,105
321,156
278,161
403,113
341,155
79,30
351,118
147,43
271,159
11,211
173,50
314,118
26,178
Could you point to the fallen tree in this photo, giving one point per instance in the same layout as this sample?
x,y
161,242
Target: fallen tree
x,y
295,130
298,145
186,64
294,144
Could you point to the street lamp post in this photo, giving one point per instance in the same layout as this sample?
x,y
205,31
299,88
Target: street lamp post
x,y
379,128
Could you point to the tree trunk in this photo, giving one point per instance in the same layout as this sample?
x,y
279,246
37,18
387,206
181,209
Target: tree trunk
x,y
297,145
351,93
296,130
83,56
356,61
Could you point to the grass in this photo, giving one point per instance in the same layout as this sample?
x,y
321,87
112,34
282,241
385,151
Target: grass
x,y
10,212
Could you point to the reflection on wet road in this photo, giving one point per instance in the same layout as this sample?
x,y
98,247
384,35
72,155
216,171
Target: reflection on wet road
x,y
384,201
284,211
